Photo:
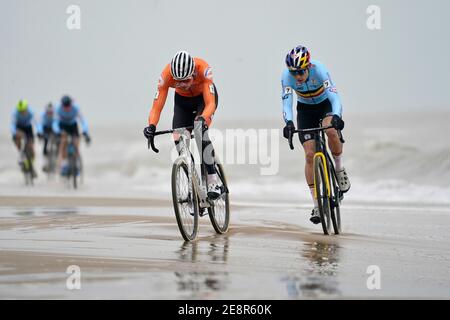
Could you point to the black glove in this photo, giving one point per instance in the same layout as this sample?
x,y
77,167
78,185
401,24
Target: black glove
x,y
288,129
40,136
149,132
87,138
337,122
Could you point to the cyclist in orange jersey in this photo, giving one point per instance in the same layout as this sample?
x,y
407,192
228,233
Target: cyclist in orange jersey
x,y
196,99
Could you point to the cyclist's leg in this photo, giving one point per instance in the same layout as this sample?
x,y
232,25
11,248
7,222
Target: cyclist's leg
x,y
20,135
334,142
75,133
29,140
207,146
47,132
62,155
308,116
336,147
183,114
208,154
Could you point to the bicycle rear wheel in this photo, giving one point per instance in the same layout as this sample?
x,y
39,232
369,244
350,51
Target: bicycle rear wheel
x,y
184,200
322,195
335,204
219,212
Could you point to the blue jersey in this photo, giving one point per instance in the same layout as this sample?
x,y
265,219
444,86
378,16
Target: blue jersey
x,y
21,119
46,121
69,117
316,89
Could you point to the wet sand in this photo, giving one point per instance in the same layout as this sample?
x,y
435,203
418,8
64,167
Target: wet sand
x,y
131,249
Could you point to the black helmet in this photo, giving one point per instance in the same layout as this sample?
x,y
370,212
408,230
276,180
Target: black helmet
x,y
66,101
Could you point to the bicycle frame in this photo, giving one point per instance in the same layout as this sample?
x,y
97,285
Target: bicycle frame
x,y
321,152
200,183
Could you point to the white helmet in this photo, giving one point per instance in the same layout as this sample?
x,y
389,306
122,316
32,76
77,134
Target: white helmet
x,y
182,65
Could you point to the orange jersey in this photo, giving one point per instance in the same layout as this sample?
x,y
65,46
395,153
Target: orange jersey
x,y
201,84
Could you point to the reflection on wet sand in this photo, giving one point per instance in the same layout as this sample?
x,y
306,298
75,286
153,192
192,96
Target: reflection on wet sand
x,y
45,211
24,212
194,282
319,277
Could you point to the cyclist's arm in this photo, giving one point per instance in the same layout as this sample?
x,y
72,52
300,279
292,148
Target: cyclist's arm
x,y
13,123
158,104
33,120
286,96
55,124
209,96
331,91
84,125
40,124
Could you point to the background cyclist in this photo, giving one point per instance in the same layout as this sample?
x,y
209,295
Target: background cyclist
x,y
66,124
44,130
22,121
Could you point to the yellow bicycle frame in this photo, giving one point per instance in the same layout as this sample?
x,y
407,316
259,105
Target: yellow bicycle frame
x,y
327,182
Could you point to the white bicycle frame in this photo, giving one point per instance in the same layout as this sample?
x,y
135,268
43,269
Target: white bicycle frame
x,y
200,184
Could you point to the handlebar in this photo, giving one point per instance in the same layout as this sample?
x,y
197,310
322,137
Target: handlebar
x,y
291,145
151,140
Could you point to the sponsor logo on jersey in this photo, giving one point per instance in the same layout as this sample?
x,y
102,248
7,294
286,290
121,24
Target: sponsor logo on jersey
x,y
333,89
208,73
287,92
327,84
160,81
157,95
307,136
211,89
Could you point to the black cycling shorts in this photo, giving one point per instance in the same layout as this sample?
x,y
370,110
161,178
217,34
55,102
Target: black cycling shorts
x,y
187,108
310,116
27,130
70,129
47,130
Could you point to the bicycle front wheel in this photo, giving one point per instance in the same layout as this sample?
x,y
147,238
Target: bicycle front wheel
x,y
320,184
72,174
335,204
184,199
219,212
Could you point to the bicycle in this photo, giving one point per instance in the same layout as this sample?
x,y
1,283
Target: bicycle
x,y
329,196
26,162
189,191
74,168
52,153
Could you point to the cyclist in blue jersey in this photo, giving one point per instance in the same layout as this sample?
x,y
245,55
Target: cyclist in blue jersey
x,y
22,122
45,128
317,99
45,125
65,124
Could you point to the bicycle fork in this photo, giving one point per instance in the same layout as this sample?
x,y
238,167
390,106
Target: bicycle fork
x,y
321,157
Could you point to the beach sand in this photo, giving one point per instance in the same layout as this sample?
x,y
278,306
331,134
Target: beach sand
x,y
131,249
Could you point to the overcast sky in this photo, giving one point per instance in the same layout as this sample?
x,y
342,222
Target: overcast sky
x,y
112,64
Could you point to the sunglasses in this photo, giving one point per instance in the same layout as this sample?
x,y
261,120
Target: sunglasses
x,y
186,80
299,72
